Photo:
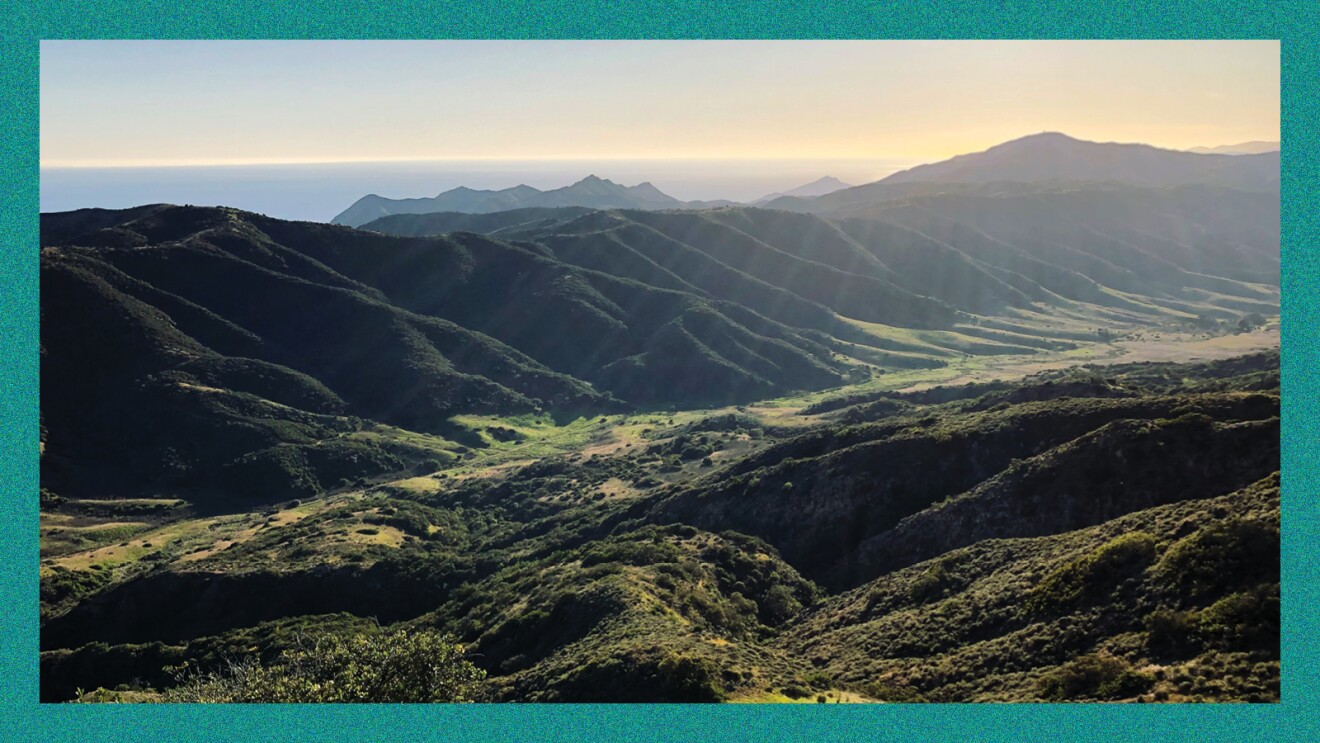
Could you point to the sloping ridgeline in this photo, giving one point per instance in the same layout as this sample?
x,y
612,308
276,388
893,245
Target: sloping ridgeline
x,y
977,258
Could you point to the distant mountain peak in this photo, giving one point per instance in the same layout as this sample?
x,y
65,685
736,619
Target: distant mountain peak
x,y
824,185
1055,156
1049,136
1042,139
827,180
460,192
647,188
592,192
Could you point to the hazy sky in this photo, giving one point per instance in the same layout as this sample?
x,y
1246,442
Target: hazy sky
x,y
189,102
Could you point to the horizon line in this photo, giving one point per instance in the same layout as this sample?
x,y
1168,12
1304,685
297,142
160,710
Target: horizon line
x,y
890,159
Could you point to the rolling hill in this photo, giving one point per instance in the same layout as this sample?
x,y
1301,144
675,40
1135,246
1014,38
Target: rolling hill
x,y
906,258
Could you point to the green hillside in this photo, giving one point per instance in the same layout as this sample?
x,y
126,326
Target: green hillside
x,y
1100,534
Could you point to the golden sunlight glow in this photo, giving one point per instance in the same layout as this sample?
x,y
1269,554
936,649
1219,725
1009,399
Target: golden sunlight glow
x,y
108,103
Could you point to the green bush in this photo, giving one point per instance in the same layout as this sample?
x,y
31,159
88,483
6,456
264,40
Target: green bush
x,y
1243,621
62,583
890,691
818,680
1221,558
1172,633
1093,577
690,679
1094,677
793,691
780,604
400,666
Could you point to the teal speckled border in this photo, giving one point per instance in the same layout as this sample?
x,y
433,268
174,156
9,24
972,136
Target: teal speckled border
x,y
1295,24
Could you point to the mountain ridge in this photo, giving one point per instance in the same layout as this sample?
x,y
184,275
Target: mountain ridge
x,y
591,191
1254,147
1053,156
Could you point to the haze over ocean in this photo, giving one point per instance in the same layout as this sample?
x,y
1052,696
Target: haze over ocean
x,y
317,192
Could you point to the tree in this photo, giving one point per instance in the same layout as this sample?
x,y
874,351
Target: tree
x,y
399,666
1250,322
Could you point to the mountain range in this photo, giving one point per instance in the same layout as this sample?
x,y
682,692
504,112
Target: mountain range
x,y
597,193
272,335
1040,161
636,452
1052,156
1245,148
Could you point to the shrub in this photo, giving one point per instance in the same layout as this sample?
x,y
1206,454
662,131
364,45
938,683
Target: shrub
x,y
1172,633
1243,621
818,680
779,605
688,679
890,691
400,666
934,582
793,691
1094,677
1093,577
1221,558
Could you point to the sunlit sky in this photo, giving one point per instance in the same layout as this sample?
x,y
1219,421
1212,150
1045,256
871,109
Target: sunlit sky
x,y
123,103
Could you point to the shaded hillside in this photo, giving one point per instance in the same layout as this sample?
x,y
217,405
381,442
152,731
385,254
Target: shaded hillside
x,y
1124,238
736,255
228,345
832,501
488,223
625,336
256,385
1174,603
1123,254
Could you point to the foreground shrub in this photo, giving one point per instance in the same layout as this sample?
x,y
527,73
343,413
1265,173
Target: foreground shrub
x,y
399,666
